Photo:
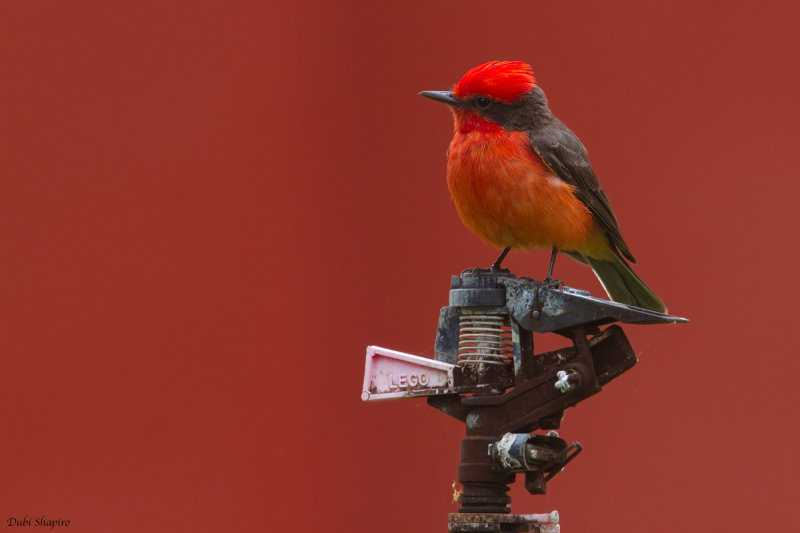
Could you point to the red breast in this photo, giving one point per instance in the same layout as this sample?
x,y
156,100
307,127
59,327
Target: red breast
x,y
506,194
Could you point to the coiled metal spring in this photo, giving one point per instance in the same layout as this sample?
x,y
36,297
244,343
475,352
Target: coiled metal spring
x,y
484,339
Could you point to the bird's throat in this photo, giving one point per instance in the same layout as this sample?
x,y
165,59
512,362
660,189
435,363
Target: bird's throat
x,y
467,121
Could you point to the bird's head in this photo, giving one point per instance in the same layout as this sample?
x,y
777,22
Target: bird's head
x,y
497,94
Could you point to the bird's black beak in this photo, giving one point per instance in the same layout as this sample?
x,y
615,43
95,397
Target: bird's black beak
x,y
443,96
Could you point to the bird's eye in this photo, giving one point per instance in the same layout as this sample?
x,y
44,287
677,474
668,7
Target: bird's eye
x,y
483,102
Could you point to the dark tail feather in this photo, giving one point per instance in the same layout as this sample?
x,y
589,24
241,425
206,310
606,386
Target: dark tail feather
x,y
623,285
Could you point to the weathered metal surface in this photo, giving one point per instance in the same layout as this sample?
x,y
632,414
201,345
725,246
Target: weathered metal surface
x,y
485,486
477,297
487,375
541,308
526,452
446,347
502,523
389,374
534,403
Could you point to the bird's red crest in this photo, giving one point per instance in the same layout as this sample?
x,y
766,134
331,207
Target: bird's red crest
x,y
505,81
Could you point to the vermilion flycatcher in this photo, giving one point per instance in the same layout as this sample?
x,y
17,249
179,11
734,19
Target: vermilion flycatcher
x,y
521,179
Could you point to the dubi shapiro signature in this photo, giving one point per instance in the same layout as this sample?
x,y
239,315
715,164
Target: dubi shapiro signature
x,y
38,521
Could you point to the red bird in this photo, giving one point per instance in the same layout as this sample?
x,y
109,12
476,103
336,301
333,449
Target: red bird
x,y
521,179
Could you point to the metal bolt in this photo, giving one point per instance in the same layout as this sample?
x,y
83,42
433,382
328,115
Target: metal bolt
x,y
535,313
563,383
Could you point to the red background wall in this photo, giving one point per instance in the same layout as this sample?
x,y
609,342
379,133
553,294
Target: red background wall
x,y
208,211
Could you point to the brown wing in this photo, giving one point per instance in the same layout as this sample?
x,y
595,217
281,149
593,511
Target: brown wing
x,y
565,155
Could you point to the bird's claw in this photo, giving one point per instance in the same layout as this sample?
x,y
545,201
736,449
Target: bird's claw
x,y
552,284
478,270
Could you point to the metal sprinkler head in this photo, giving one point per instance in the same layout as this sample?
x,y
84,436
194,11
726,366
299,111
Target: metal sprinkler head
x,y
486,375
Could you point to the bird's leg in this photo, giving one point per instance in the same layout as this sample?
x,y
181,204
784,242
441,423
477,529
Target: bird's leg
x,y
552,265
549,279
496,265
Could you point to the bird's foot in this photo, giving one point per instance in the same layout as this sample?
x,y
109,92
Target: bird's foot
x,y
551,284
491,270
